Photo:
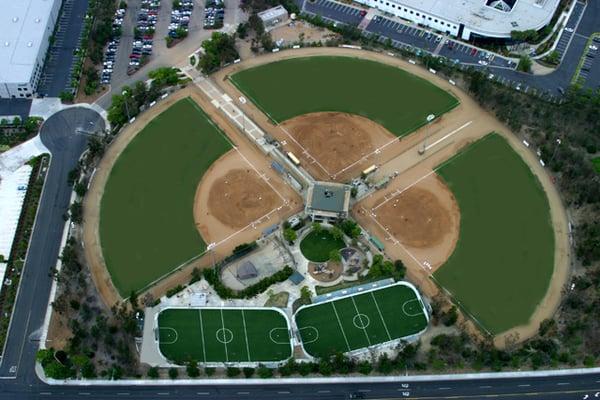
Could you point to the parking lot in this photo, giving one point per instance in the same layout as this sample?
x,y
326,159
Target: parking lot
x,y
589,61
569,30
334,11
56,76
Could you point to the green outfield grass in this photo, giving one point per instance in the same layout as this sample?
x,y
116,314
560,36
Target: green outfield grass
x,y
504,258
361,320
146,218
596,162
390,96
223,335
316,246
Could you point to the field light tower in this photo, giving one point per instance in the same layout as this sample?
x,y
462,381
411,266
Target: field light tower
x,y
429,118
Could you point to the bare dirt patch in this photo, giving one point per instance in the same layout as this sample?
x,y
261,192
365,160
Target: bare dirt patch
x,y
239,197
334,139
417,218
333,271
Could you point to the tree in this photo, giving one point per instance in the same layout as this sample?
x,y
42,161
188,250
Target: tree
x,y
76,211
219,49
173,373
264,372
337,233
66,96
209,371
232,372
192,369
316,227
290,235
553,57
248,372
153,373
80,189
525,64
305,295
334,256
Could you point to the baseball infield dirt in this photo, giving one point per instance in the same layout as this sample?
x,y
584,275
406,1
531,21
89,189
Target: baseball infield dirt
x,y
335,140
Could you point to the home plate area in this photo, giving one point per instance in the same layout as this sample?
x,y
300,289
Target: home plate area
x,y
223,335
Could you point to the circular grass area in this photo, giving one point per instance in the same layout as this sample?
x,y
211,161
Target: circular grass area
x,y
317,246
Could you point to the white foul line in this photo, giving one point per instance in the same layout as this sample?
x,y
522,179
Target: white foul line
x,y
448,135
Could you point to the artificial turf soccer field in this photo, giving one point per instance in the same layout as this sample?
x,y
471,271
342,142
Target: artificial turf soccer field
x,y
360,320
503,262
224,335
394,98
146,218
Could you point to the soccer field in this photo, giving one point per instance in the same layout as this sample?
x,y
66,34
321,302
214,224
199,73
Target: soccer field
x,y
224,335
387,95
146,217
361,320
503,262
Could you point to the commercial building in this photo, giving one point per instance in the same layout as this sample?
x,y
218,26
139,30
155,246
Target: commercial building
x,y
469,19
327,201
26,28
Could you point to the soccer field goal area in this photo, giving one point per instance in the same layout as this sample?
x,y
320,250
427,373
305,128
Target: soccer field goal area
x,y
362,320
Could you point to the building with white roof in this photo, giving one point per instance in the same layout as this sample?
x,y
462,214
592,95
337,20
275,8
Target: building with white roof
x,y
25,30
472,18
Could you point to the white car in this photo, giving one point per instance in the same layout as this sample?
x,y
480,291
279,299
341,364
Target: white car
x,y
592,47
569,30
481,62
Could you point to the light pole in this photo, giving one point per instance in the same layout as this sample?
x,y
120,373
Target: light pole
x,y
430,118
124,93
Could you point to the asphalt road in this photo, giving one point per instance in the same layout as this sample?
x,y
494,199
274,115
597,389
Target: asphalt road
x,y
59,135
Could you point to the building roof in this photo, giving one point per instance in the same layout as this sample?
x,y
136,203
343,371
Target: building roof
x,y
489,17
246,270
24,23
332,197
275,12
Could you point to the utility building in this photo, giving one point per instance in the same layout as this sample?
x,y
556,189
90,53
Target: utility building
x,y
327,201
25,30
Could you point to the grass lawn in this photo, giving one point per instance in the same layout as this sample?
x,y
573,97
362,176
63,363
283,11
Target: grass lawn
x,y
504,258
224,335
596,162
146,218
316,246
361,320
390,96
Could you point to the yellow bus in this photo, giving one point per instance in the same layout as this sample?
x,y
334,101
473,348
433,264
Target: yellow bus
x,y
367,171
293,158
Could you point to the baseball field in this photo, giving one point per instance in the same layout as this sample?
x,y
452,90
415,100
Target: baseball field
x,y
146,221
224,335
392,97
361,320
501,267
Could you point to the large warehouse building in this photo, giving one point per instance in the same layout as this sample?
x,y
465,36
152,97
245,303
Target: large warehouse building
x,y
472,18
25,30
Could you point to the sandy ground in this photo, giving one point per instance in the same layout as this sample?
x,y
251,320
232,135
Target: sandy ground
x,y
335,271
327,143
455,130
235,197
224,237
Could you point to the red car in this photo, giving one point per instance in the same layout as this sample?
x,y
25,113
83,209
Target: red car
x,y
363,13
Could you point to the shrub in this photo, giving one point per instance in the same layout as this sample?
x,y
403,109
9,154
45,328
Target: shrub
x,y
173,373
153,373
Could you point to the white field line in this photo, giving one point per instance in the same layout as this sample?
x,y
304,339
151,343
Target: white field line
x,y
246,335
399,192
364,158
304,150
340,324
381,316
262,176
224,337
358,315
202,332
250,225
448,135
